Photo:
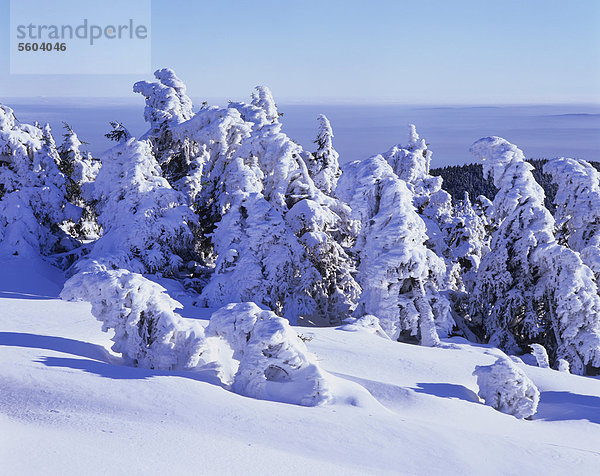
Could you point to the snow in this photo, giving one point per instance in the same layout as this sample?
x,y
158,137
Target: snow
x,y
69,406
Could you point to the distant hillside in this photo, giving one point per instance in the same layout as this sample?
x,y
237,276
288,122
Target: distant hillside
x,y
459,179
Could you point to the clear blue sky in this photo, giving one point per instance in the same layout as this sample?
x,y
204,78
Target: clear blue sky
x,y
418,51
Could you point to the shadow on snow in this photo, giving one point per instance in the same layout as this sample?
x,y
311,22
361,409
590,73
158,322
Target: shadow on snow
x,y
96,359
447,390
560,406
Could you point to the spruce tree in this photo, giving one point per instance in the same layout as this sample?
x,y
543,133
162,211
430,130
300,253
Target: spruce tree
x,y
411,163
323,164
467,240
531,289
167,105
259,259
241,148
33,196
80,169
578,208
399,275
146,223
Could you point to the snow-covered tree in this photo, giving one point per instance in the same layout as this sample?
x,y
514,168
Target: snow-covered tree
x,y
411,163
338,292
213,137
274,364
504,300
79,169
33,197
467,241
259,259
323,164
263,99
484,208
321,222
239,149
167,105
118,133
505,387
571,306
145,223
147,331
530,288
578,208
541,355
399,275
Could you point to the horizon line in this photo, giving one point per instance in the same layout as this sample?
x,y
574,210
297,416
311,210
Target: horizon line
x,y
318,102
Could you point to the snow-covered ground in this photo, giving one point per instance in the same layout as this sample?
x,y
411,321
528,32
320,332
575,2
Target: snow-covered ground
x,y
68,406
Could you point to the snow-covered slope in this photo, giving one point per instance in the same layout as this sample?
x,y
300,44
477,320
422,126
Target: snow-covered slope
x,y
68,406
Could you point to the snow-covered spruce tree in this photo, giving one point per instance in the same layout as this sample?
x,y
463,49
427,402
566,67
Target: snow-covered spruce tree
x,y
214,134
274,364
79,169
33,197
399,275
411,163
259,259
578,208
242,149
167,105
467,239
263,99
321,222
540,354
323,164
530,289
145,223
118,132
505,387
484,209
147,331
337,292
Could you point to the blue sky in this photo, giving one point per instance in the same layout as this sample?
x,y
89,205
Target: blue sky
x,y
416,52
